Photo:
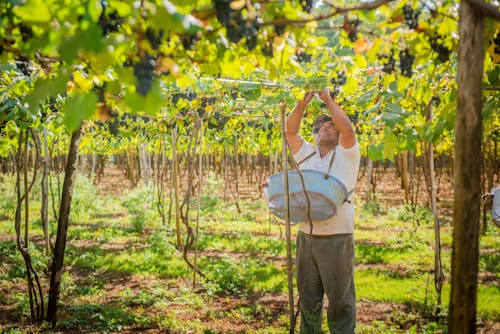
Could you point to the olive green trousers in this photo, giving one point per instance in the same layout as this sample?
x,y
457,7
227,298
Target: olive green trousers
x,y
325,265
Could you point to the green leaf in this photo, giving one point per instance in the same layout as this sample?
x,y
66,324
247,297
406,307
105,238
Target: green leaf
x,y
390,144
375,152
394,115
78,108
150,104
494,76
47,87
93,9
86,40
33,11
367,96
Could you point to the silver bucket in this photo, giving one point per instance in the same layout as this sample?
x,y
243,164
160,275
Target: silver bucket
x,y
326,194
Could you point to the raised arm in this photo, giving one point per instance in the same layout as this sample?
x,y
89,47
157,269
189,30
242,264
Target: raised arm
x,y
293,123
347,137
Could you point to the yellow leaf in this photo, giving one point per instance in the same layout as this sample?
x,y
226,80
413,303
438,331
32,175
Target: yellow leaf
x,y
168,64
403,83
351,86
82,82
185,81
231,69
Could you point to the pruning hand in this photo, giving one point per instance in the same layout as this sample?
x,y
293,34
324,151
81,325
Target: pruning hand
x,y
307,97
324,95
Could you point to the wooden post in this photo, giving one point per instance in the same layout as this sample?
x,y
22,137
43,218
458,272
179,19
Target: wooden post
x,y
467,198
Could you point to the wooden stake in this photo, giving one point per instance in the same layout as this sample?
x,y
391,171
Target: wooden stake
x,y
200,179
176,188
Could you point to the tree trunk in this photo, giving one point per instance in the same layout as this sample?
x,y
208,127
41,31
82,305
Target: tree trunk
x,y
464,266
62,227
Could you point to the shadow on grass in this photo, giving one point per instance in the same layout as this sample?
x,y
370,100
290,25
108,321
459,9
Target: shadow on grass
x,y
372,254
100,317
491,261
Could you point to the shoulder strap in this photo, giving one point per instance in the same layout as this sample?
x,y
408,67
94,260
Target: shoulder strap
x,y
306,158
331,160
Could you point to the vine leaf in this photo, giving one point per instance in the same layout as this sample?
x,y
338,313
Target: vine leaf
x,y
33,11
78,108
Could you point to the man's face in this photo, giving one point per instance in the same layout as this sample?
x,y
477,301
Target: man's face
x,y
326,134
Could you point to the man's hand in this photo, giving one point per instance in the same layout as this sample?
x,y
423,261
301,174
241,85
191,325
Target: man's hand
x,y
324,95
307,97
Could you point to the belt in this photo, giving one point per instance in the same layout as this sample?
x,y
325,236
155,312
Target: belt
x,y
321,235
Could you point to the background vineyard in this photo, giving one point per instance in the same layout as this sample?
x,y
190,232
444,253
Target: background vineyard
x,y
135,138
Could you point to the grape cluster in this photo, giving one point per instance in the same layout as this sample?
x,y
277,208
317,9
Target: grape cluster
x,y
189,40
303,57
436,101
406,62
109,22
354,117
154,38
144,72
337,83
353,29
390,63
411,16
267,49
23,64
234,94
279,29
236,26
437,45
26,32
205,101
187,95
341,78
496,42
306,5
217,122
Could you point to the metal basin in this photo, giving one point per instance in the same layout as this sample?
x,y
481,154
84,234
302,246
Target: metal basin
x,y
326,193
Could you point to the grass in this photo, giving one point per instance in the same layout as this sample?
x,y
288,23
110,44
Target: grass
x,y
124,272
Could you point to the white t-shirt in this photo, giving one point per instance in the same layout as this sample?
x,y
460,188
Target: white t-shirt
x,y
345,167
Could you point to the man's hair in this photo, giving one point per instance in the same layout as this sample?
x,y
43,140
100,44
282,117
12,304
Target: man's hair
x,y
320,120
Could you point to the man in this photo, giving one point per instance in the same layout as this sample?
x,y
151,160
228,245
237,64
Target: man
x,y
325,255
